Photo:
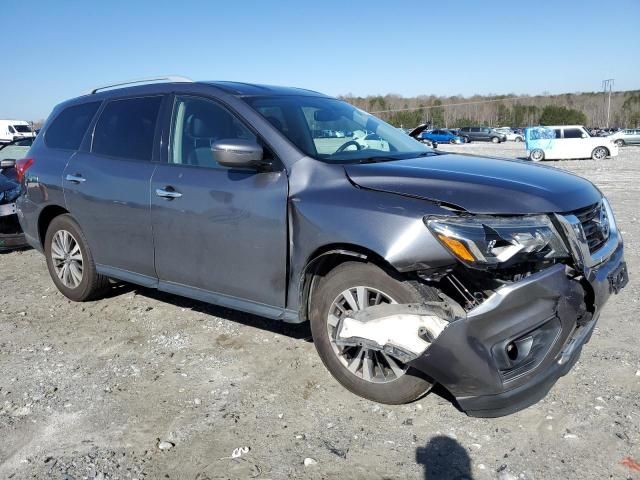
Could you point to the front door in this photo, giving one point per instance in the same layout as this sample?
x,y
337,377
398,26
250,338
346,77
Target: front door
x,y
220,234
107,188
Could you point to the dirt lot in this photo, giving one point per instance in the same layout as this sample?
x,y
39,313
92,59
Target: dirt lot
x,y
148,385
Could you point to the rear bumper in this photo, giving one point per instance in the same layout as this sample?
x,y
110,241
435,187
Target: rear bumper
x,y
548,316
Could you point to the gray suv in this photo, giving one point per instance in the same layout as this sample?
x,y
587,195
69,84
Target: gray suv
x,y
482,134
413,267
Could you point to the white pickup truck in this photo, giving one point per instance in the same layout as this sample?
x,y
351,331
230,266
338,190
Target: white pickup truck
x,y
565,142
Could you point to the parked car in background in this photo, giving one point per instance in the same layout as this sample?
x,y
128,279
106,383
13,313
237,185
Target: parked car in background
x,y
11,235
510,134
441,136
15,129
566,142
482,134
413,266
416,134
628,136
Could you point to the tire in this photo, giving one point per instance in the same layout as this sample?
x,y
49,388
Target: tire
x,y
536,155
91,284
467,140
402,389
599,153
495,139
620,143
519,139
452,141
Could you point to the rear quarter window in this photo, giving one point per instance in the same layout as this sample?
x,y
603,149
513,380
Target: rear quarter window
x,y
69,127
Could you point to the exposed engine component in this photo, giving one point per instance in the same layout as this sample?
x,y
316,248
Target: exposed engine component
x,y
404,331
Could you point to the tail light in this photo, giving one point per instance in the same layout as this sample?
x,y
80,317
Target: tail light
x,y
22,166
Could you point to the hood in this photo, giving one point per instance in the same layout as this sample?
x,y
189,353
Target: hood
x,y
479,184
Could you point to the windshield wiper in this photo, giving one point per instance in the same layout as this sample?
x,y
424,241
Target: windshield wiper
x,y
429,154
377,159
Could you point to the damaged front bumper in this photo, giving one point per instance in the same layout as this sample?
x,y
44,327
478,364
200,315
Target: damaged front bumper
x,y
505,354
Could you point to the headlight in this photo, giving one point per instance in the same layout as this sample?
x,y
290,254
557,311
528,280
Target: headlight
x,y
482,241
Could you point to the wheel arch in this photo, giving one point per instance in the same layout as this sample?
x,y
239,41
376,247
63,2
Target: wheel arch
x,y
326,258
45,218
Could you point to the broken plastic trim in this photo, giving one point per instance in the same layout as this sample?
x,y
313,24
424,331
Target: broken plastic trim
x,y
404,331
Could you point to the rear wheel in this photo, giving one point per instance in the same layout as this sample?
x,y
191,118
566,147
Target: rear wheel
x,y
536,155
495,139
369,373
519,139
70,261
599,153
452,141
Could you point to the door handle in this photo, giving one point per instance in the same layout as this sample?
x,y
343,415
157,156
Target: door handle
x,y
168,192
77,178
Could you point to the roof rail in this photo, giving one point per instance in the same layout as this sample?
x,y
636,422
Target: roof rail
x,y
166,78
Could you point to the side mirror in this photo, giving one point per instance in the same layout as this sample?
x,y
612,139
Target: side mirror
x,y
584,135
237,153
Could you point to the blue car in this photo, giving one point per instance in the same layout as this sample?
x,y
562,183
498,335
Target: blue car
x,y
441,136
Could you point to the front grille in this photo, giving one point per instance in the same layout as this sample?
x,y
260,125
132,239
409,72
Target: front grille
x,y
595,225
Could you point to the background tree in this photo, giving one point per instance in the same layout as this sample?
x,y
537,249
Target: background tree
x,y
552,115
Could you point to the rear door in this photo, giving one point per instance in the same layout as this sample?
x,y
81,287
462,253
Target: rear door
x,y
220,234
107,187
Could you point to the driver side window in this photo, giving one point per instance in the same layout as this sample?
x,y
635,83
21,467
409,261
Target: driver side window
x,y
197,124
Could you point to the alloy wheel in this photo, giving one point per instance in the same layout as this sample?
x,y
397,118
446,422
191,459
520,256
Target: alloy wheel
x,y
370,365
67,258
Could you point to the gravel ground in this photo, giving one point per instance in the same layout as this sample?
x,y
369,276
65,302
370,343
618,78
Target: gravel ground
x,y
148,385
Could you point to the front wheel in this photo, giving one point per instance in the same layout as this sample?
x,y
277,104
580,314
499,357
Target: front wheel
x,y
371,374
599,153
70,261
620,143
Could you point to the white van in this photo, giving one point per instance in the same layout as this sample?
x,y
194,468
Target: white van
x,y
566,141
15,129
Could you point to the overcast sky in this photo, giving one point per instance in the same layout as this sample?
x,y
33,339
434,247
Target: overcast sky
x,y
56,50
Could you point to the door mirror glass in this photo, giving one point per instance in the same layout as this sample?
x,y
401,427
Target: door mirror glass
x,y
584,135
237,153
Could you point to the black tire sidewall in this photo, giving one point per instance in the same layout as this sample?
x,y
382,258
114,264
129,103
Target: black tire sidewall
x,y
407,388
89,275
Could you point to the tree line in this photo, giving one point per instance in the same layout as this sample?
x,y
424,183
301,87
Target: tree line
x,y
589,108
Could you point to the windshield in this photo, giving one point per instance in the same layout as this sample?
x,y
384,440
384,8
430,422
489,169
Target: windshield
x,y
23,128
335,131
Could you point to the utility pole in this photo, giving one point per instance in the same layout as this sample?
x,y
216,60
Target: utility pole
x,y
608,85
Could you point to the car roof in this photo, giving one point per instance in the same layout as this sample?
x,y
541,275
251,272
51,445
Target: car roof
x,y
561,126
238,89
243,89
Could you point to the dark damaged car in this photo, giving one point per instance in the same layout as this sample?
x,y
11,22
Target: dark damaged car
x,y
414,267
11,235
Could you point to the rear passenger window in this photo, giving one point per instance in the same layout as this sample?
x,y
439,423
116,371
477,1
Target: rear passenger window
x,y
68,128
558,133
126,128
